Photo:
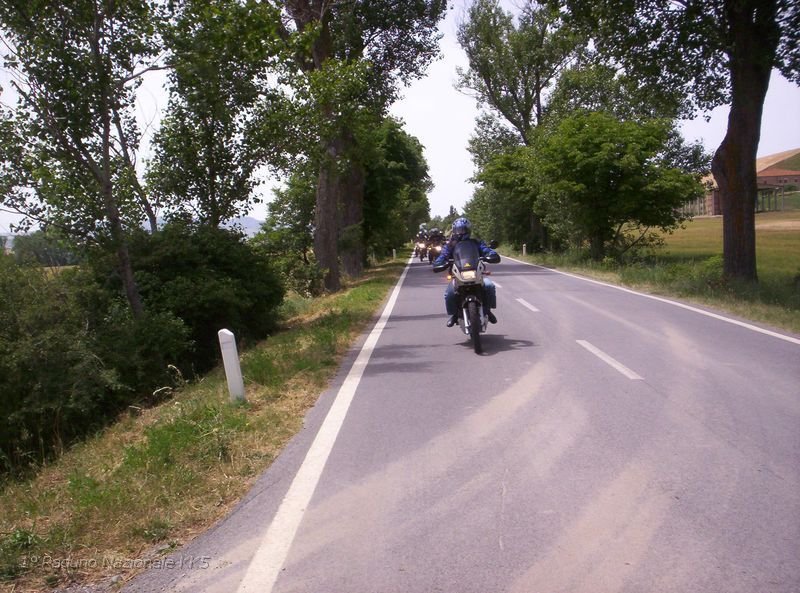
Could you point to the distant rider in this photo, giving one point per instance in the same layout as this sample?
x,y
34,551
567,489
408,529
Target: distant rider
x,y
461,232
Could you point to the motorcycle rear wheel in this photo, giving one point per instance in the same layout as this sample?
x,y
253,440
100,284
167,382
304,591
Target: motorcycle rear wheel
x,y
474,315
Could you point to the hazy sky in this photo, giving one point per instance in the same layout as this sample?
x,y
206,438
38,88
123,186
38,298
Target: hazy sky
x,y
442,118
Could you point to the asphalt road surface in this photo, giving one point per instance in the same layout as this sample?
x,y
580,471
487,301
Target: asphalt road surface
x,y
606,441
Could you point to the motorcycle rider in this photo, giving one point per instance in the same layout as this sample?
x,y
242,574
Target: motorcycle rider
x,y
461,231
420,238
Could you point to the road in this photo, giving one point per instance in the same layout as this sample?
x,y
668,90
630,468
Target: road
x,y
606,441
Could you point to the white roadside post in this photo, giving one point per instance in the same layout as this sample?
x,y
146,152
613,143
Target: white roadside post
x,y
524,249
230,359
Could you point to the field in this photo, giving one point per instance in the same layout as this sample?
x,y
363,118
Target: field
x,y
777,243
689,266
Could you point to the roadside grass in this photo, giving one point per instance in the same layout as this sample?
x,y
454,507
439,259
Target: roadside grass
x,y
689,266
117,502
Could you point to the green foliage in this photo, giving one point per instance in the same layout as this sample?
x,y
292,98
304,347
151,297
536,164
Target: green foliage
x,y
286,236
44,249
512,62
13,547
396,184
601,174
709,52
78,64
684,49
594,86
395,202
490,139
212,139
53,384
210,279
357,55
511,186
66,368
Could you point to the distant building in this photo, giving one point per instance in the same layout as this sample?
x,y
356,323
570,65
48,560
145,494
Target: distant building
x,y
777,177
775,173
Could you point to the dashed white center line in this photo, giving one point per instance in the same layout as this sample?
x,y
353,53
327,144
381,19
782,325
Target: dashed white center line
x,y
497,284
527,305
610,361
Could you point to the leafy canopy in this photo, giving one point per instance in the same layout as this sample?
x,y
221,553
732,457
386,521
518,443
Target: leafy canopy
x,y
600,174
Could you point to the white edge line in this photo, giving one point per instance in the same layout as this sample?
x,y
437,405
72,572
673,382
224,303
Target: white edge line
x,y
266,564
526,304
754,328
610,361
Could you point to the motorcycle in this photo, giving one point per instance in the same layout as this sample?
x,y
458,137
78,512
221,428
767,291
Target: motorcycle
x,y
434,251
467,269
420,250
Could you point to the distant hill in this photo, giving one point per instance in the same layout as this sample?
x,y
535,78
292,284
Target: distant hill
x,y
250,225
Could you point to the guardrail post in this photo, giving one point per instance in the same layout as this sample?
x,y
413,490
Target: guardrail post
x,y
230,359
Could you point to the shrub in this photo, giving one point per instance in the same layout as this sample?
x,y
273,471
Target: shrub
x,y
54,385
71,357
210,279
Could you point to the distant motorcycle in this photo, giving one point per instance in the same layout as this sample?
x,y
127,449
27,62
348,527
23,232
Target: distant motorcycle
x,y
467,268
434,251
420,250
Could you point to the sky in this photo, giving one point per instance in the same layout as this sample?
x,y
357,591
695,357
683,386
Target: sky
x,y
443,118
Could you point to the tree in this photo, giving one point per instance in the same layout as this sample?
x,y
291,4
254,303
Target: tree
x,y
490,139
511,66
594,86
379,44
43,249
395,189
512,183
286,237
396,183
600,175
76,68
211,140
713,52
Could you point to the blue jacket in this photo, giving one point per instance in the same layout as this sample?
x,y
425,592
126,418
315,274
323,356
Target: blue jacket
x,y
447,251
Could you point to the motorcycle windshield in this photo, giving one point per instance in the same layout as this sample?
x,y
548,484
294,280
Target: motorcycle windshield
x,y
466,255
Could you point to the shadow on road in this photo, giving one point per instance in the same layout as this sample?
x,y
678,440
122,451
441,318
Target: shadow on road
x,y
495,344
400,359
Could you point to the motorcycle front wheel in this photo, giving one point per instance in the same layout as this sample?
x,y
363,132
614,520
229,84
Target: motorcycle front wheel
x,y
474,316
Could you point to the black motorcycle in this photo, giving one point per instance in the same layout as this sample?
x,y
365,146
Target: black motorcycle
x,y
467,268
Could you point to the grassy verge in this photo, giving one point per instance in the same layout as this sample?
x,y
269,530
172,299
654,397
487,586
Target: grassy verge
x,y
689,266
159,476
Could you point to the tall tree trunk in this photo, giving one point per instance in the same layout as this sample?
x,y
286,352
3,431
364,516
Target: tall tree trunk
x,y
326,216
754,35
352,209
121,248
597,246
312,13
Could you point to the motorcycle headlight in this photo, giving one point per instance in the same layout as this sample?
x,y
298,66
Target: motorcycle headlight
x,y
468,275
